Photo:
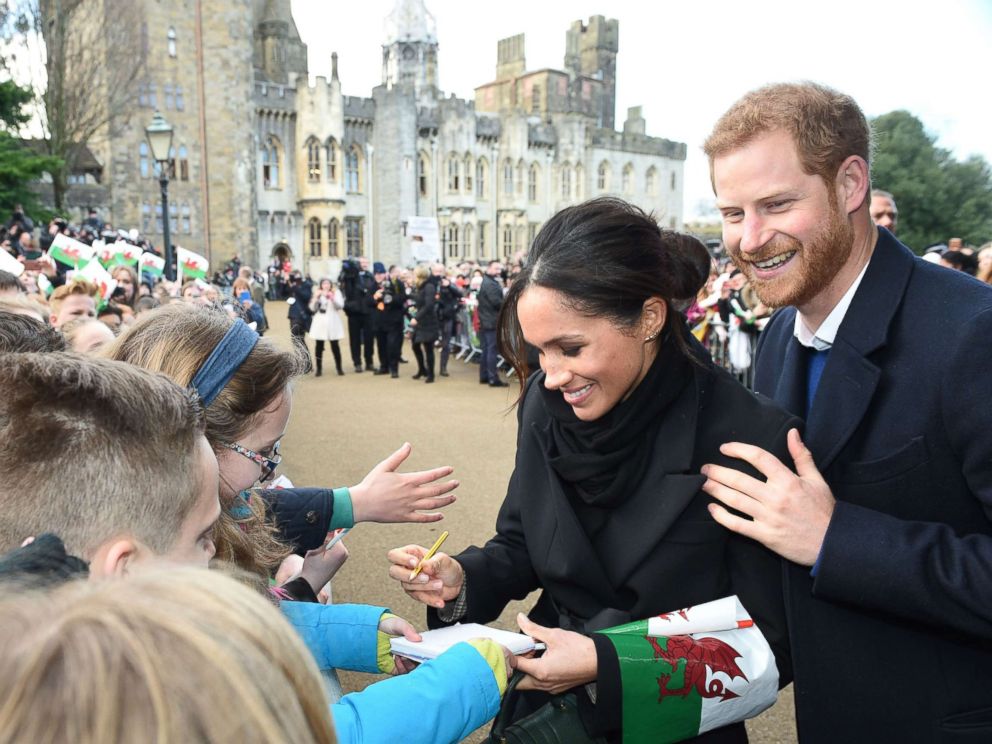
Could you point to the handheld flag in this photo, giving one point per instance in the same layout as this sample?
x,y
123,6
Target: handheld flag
x,y
151,264
191,264
70,251
95,273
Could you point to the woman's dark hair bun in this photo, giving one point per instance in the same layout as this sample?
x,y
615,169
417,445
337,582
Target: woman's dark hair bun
x,y
695,259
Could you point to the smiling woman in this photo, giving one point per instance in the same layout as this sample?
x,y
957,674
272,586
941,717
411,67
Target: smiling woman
x,y
604,510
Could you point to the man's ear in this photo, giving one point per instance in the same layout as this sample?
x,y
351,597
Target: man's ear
x,y
115,557
853,182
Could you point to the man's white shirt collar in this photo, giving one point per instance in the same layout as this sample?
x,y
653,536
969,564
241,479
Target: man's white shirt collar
x,y
827,332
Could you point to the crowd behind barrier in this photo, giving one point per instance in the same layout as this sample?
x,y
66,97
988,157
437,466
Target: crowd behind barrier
x,y
102,292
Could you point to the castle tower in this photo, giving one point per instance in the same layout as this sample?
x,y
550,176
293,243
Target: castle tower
x,y
591,51
279,50
409,52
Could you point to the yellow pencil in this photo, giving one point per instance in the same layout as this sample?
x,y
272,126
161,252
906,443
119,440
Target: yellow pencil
x,y
430,554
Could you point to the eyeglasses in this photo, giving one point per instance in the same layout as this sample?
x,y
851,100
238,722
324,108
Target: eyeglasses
x,y
269,462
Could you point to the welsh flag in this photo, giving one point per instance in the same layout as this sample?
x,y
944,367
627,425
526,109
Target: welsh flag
x,y
127,253
45,286
95,273
70,251
692,670
191,264
104,252
151,264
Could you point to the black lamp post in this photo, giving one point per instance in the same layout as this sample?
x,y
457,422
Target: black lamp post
x,y
159,134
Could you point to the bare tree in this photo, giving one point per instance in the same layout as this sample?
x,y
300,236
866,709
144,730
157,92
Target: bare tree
x,y
90,54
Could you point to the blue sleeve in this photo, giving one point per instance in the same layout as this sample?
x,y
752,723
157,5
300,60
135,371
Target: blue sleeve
x,y
339,636
439,702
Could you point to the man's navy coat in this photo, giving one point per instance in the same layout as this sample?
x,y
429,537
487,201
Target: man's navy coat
x,y
892,640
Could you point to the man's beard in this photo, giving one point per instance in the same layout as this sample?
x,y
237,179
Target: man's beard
x,y
819,261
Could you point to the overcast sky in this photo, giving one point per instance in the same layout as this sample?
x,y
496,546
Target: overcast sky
x,y
686,62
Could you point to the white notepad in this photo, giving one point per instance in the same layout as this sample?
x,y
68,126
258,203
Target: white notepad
x,y
436,642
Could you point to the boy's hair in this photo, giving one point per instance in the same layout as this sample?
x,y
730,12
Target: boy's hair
x,y
93,450
110,310
75,287
826,126
19,333
8,281
158,656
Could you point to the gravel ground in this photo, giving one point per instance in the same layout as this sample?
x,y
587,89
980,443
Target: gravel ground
x,y
342,426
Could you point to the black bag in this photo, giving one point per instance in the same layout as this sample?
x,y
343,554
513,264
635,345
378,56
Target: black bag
x,y
555,722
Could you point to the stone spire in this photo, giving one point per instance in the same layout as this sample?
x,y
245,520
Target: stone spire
x,y
410,21
409,52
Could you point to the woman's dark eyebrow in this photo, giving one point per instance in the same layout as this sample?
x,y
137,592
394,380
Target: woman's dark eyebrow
x,y
566,339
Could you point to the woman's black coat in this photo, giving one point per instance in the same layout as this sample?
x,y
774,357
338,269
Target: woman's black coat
x,y
660,550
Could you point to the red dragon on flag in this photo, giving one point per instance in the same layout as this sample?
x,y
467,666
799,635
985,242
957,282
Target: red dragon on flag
x,y
683,613
699,655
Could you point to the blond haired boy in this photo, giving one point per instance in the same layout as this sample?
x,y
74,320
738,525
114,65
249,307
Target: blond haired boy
x,y
77,299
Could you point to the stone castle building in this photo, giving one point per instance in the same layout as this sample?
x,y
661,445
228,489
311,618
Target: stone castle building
x,y
268,163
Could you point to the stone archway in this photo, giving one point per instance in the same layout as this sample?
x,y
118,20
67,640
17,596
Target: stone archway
x,y
281,256
282,251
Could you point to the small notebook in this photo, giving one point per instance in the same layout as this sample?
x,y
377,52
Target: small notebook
x,y
436,642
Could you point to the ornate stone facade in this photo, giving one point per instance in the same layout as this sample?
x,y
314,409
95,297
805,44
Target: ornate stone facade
x,y
276,165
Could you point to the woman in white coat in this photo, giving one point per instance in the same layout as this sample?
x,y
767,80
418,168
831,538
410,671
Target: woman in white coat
x,y
326,325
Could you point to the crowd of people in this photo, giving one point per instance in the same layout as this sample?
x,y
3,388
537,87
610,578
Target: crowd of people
x,y
437,309
847,509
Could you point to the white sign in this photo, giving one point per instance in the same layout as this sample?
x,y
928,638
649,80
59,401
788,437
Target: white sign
x,y
424,237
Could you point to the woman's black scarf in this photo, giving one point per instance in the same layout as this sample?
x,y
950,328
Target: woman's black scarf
x,y
604,460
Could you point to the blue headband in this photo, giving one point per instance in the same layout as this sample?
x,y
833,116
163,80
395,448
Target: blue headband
x,y
224,361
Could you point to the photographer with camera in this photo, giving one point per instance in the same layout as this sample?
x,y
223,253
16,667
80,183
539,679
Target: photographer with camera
x,y
359,286
326,325
390,306
449,301
300,317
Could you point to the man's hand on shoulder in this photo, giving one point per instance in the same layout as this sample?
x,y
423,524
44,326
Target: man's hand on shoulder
x,y
789,513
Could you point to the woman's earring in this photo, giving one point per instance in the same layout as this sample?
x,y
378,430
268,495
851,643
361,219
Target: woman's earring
x,y
652,337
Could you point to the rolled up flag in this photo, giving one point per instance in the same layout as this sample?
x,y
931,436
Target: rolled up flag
x,y
70,251
681,684
191,264
720,614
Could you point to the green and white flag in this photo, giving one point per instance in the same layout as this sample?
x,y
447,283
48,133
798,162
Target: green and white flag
x,y
70,251
105,252
191,264
149,263
127,253
95,273
683,683
10,264
45,285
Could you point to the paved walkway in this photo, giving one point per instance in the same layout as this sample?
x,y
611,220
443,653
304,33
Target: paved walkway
x,y
342,426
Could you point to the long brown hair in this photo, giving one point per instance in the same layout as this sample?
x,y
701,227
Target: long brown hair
x,y
172,655
177,339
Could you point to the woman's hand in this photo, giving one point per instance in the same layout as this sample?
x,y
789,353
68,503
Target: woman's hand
x,y
569,661
320,565
387,496
438,582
